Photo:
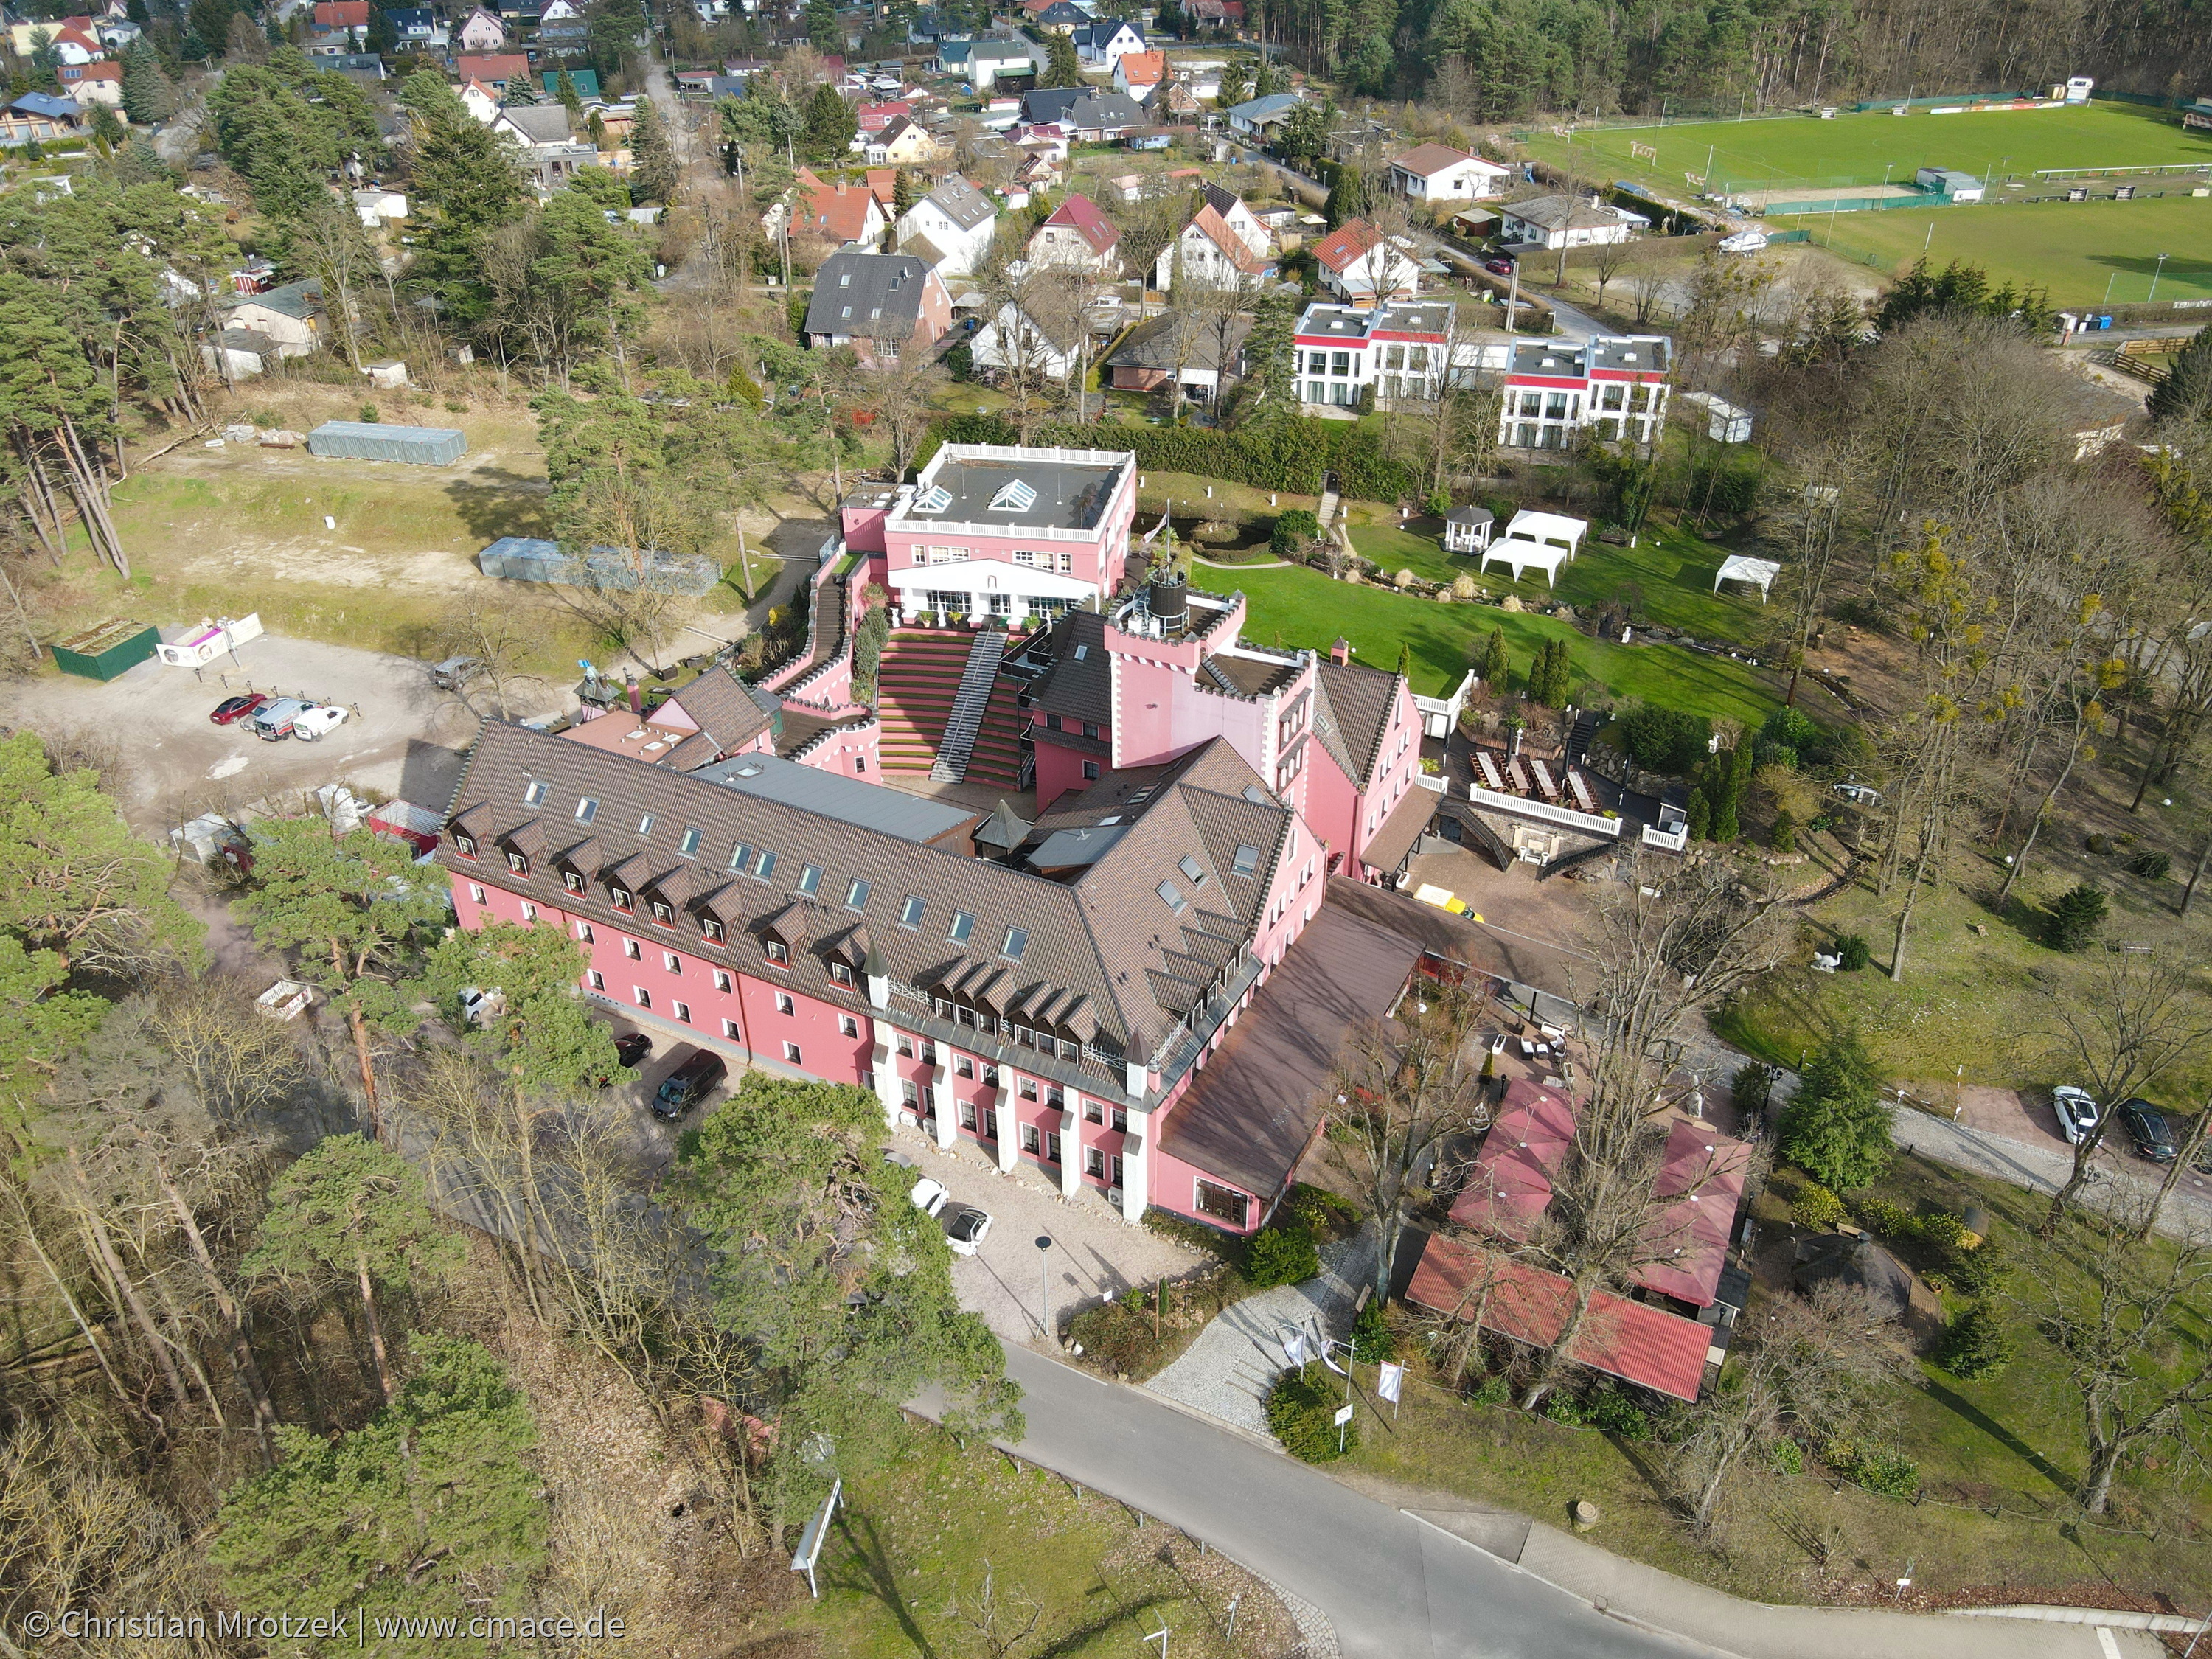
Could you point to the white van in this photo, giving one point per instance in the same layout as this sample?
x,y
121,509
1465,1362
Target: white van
x,y
312,723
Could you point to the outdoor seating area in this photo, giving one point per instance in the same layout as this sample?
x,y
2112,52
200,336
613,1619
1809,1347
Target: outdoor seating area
x,y
1552,781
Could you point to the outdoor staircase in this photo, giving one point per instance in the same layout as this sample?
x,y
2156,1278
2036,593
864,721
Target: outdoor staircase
x,y
1578,740
914,690
996,758
965,718
1329,501
1567,861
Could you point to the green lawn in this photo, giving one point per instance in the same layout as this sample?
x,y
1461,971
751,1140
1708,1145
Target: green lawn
x,y
2085,254
1859,149
1295,606
902,1571
1670,569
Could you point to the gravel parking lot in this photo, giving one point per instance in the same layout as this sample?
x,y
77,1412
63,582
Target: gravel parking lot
x,y
407,739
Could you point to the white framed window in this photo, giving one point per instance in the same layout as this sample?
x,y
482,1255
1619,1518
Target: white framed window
x,y
529,911
595,979
630,950
644,996
962,1067
777,952
848,1026
1030,1138
583,932
671,962
730,1030
791,1052
722,981
682,1010
1092,1113
476,894
784,1004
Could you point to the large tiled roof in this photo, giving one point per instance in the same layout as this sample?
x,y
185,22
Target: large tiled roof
x,y
1215,229
964,204
1345,244
1081,686
1082,215
1356,701
1425,161
726,711
1106,960
867,293
1153,344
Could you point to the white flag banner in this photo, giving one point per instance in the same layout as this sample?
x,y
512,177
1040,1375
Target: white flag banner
x,y
1331,1364
1294,1345
1390,1382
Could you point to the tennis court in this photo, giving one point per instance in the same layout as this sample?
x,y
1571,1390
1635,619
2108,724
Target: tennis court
x,y
1802,151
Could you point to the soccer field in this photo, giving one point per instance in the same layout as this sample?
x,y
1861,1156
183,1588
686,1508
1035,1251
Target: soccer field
x,y
2085,254
1863,149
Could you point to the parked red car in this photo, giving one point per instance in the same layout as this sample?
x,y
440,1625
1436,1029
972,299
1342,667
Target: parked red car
x,y
1499,267
237,708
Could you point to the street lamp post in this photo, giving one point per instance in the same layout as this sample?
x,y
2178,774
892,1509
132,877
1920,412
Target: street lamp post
x,y
2155,276
1044,1284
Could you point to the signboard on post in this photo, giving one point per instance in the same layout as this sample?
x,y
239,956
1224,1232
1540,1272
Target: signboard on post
x,y
809,1541
1343,1415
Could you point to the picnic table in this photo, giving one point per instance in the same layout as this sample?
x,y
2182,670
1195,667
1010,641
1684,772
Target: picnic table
x,y
1582,792
1544,786
1519,779
1490,781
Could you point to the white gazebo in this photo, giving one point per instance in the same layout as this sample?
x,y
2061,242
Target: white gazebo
x,y
1552,529
1526,556
1760,573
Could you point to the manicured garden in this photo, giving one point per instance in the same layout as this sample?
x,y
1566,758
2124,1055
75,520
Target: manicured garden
x,y
1299,607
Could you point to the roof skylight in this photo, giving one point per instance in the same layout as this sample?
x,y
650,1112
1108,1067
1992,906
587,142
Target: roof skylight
x,y
1014,496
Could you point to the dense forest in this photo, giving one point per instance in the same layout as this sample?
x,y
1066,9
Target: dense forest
x,y
1503,59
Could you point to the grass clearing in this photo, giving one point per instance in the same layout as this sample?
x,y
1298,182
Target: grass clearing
x,y
1860,148
1300,607
2085,254
904,1569
1670,569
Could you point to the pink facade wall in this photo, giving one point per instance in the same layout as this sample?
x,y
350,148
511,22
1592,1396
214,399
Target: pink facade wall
x,y
1059,771
1331,801
863,527
857,753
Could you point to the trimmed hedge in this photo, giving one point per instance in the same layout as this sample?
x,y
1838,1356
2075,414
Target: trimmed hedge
x,y
1285,455
1302,1409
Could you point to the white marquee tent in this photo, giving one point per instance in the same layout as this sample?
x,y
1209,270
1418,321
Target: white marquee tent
x,y
1524,555
1552,529
1760,573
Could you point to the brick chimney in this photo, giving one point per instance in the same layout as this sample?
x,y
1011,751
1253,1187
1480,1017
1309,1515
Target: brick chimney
x,y
1340,652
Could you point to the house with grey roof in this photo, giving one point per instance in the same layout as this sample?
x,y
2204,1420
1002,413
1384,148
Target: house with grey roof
x,y
882,304
1256,117
952,227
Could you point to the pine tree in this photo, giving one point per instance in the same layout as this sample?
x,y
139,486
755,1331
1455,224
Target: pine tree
x,y
1496,665
653,174
824,32
1837,1127
564,88
465,175
1405,661
830,124
148,93
1062,67
2184,396
1701,816
1349,199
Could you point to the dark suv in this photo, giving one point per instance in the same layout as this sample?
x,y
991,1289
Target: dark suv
x,y
687,1086
2146,1127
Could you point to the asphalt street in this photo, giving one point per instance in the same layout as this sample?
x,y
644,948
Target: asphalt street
x,y
1393,1586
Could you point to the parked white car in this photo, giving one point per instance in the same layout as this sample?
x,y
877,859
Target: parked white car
x,y
965,1226
2077,1113
1744,241
313,723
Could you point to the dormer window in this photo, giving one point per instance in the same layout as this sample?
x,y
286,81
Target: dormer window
x,y
842,972
534,795
572,881
778,952
518,863
711,929
664,912
466,846
619,897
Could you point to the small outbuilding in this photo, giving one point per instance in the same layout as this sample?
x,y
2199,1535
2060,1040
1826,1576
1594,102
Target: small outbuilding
x,y
372,440
1467,529
106,648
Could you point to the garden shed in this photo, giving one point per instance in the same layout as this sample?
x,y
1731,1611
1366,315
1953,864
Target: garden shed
x,y
372,440
106,648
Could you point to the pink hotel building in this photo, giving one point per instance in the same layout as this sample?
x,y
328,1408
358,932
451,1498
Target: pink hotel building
x,y
1143,995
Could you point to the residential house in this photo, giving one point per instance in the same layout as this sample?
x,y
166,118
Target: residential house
x,y
1250,228
1103,117
1226,16
586,83
559,11
420,26
873,118
530,125
1079,236
72,40
1048,105
339,26
1165,349
1176,100
1409,350
1258,117
480,100
1432,174
498,70
1103,44
1037,171
482,31
92,83
1614,387
883,305
555,166
1040,331
989,62
42,116
364,69
1060,17
290,316
1357,261
1207,254
840,214
952,227
380,207
904,144
1553,222
1140,74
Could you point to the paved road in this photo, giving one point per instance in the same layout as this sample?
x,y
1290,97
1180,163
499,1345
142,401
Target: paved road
x,y
1393,1586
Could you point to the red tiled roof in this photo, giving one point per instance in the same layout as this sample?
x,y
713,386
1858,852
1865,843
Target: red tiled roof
x,y
1217,231
839,213
1706,1171
492,66
102,71
341,14
882,185
1632,1341
1081,213
1144,69
1345,244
